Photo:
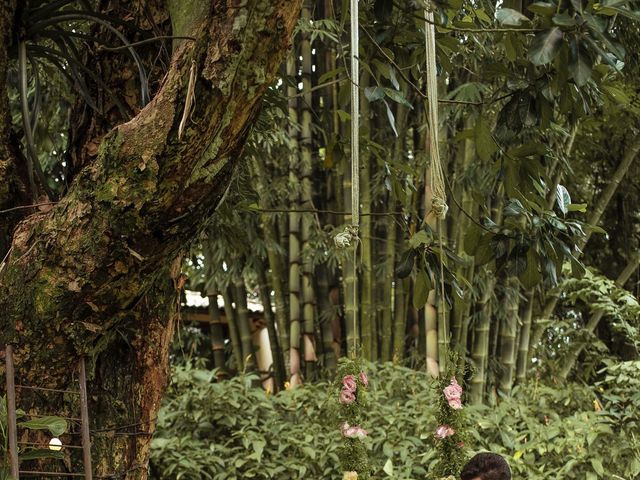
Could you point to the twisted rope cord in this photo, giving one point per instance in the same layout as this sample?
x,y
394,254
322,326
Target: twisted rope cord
x,y
438,202
438,194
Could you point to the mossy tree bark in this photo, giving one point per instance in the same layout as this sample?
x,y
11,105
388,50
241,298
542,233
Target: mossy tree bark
x,y
91,277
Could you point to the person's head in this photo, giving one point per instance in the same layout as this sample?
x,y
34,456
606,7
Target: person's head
x,y
486,466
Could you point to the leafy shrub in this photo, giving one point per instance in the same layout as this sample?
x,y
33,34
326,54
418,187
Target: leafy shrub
x,y
233,430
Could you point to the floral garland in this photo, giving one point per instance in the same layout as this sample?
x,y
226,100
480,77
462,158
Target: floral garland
x,y
450,436
353,384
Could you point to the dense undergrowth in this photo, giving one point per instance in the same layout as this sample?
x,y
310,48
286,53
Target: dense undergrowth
x,y
233,430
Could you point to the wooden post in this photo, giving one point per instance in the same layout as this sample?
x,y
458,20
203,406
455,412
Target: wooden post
x,y
11,413
84,416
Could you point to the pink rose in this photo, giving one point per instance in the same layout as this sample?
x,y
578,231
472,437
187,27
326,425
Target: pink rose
x,y
453,391
444,431
354,431
455,403
349,382
347,396
364,379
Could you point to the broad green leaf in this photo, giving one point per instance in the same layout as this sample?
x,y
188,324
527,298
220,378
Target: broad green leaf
x,y
405,265
579,67
344,116
563,198
577,207
509,47
610,11
531,276
40,453
564,20
421,289
596,463
420,238
56,425
485,145
544,9
374,93
472,239
397,96
509,16
482,16
388,467
545,46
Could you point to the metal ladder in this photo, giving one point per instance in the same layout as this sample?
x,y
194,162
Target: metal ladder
x,y
13,424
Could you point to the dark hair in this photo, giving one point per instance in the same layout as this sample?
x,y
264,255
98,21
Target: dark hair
x,y
486,466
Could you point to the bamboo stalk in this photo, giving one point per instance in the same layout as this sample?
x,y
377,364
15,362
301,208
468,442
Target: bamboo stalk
x,y
276,273
306,140
508,332
367,318
294,233
230,313
244,326
523,345
276,351
480,351
216,332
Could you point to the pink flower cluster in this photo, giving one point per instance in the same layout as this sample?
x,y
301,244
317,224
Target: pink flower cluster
x,y
444,431
349,387
352,431
453,394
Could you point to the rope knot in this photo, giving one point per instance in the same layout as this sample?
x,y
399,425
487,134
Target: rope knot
x,y
346,238
439,207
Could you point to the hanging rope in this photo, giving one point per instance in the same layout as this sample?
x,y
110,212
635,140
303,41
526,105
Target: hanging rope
x,y
438,203
436,176
349,237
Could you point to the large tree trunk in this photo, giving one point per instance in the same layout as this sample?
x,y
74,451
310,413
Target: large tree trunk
x,y
90,276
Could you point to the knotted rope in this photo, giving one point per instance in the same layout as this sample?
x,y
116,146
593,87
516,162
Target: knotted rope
x,y
439,205
439,199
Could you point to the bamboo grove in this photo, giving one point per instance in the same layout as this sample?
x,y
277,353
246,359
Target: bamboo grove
x,y
539,138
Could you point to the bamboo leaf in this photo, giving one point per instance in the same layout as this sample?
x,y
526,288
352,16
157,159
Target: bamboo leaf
x,y
391,118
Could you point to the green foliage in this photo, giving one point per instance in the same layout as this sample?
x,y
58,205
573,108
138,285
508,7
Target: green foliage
x,y
56,426
619,307
231,430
